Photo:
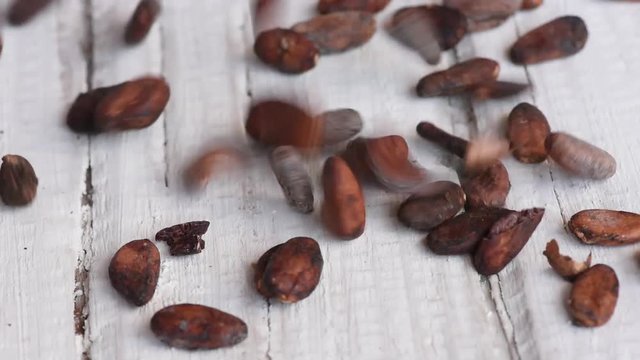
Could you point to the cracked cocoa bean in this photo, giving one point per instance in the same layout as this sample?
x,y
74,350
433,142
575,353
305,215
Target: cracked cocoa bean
x,y
286,51
276,123
505,240
141,21
458,79
606,227
197,327
485,14
290,271
527,131
22,11
339,125
579,157
184,239
343,210
18,181
338,32
559,38
425,211
498,90
212,162
564,265
593,296
373,6
134,271
531,4
293,177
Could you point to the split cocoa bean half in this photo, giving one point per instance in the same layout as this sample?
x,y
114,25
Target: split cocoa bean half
x,y
184,239
564,265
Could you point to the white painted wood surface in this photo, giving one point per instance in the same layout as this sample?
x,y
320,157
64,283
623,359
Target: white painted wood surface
x,y
383,296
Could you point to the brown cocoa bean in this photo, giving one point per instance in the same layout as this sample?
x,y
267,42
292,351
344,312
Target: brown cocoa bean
x,y
343,211
593,296
290,271
278,123
18,181
564,265
559,38
485,14
339,125
498,90
505,240
388,159
340,31
197,327
286,51
425,211
579,157
141,21
134,271
606,227
293,177
22,11
184,239
527,131
483,152
453,144
461,234
373,6
81,115
356,157
458,79
531,4
212,162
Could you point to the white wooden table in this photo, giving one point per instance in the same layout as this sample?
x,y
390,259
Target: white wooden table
x,y
383,296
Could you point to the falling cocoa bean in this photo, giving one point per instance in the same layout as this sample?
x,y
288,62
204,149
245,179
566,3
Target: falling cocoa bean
x,y
22,11
564,265
141,21
184,239
292,175
531,4
388,159
81,115
286,51
483,152
485,14
276,123
18,181
527,131
453,144
606,227
340,31
579,157
212,162
593,296
498,90
343,211
373,6
458,79
134,271
339,125
424,211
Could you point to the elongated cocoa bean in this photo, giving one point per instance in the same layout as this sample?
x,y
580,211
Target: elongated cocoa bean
x,y
498,90
340,31
339,125
527,130
606,227
427,210
276,123
446,141
485,14
593,296
458,79
579,157
373,6
293,177
343,211
141,21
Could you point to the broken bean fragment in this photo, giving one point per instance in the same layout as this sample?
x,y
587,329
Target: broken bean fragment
x,y
343,210
141,21
286,51
593,296
340,31
372,6
527,131
458,79
134,271
184,239
579,157
18,181
606,227
564,265
424,211
294,179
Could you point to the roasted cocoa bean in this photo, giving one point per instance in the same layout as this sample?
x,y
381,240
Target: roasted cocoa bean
x,y
134,271
505,240
531,4
343,211
184,239
559,38
290,271
606,227
278,123
141,21
498,90
485,14
197,327
593,296
212,162
356,157
527,131
293,177
461,234
579,157
286,51
340,31
373,6
18,181
22,11
446,141
388,159
564,265
81,115
425,211
339,125
458,79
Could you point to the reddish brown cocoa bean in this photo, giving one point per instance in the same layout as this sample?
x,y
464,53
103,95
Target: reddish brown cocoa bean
x,y
564,265
560,38
373,6
593,296
141,21
579,157
425,211
485,14
505,240
339,125
531,4
356,157
184,239
197,327
212,162
527,131
461,234
343,211
388,159
22,11
81,115
276,123
340,31
18,181
446,141
606,227
459,78
498,90
290,271
286,51
293,177
134,271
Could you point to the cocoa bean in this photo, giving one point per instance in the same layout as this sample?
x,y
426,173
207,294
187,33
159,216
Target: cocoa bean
x,y
498,90
564,265
531,4
134,271
485,14
22,11
293,177
388,159
286,51
212,162
606,227
425,211
18,181
340,31
527,130
141,21
339,125
373,6
184,239
343,211
593,296
458,79
579,157
276,123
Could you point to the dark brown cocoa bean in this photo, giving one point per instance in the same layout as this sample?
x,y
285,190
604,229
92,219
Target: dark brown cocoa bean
x,y
286,51
293,177
461,234
531,4
560,38
579,157
527,131
212,162
425,211
453,144
505,240
276,123
458,79
485,14
81,115
498,90
339,125
290,271
21,11
343,210
388,159
564,265
356,157
340,31
184,239
593,296
373,6
197,327
18,181
141,21
134,271
606,227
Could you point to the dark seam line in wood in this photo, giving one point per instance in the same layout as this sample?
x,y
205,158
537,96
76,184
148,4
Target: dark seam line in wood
x,y
486,283
513,341
165,121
